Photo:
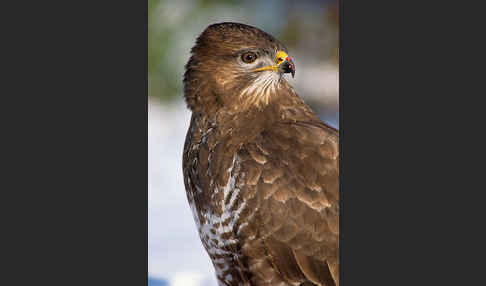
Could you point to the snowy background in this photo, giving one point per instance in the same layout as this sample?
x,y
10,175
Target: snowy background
x,y
309,30
175,252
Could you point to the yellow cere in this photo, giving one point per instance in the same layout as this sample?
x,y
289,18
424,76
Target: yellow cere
x,y
281,56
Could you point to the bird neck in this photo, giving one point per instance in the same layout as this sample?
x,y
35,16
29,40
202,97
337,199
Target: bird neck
x,y
248,120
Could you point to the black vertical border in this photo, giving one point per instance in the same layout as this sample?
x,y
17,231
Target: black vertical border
x,y
76,168
408,205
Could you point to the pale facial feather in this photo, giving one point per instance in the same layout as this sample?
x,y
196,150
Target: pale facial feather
x,y
258,93
264,84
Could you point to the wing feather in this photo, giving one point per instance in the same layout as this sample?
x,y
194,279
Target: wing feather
x,y
297,199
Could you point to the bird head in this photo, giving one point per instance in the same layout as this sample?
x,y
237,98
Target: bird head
x,y
235,65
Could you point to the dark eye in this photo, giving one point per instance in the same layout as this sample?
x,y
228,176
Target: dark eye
x,y
248,57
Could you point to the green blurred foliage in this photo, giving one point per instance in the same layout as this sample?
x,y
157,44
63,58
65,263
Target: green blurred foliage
x,y
161,82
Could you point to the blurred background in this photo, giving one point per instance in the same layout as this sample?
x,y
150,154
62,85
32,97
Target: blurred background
x,y
310,31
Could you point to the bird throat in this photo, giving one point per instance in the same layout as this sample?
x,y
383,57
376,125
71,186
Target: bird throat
x,y
261,90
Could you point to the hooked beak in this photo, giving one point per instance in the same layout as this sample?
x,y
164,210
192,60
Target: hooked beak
x,y
287,67
283,64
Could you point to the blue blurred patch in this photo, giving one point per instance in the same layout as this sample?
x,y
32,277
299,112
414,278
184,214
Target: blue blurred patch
x,y
157,282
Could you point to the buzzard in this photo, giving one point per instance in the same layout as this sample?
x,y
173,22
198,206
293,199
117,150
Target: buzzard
x,y
260,168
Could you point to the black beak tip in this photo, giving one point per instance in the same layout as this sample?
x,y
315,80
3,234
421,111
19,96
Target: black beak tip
x,y
288,67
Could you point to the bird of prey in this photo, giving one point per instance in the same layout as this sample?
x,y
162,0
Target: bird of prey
x,y
261,170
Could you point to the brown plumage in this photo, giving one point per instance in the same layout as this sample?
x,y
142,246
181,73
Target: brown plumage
x,y
260,169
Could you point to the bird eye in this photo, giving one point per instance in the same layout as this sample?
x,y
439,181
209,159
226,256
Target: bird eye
x,y
248,57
